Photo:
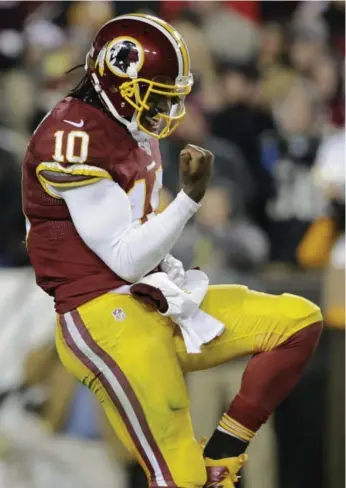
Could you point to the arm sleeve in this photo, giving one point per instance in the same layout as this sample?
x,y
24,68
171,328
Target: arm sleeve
x,y
101,213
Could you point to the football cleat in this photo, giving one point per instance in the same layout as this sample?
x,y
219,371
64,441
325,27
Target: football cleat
x,y
222,473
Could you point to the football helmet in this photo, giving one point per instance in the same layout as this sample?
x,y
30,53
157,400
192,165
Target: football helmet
x,y
135,61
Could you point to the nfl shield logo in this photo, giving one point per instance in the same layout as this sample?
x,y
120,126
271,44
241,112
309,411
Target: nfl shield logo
x,y
119,314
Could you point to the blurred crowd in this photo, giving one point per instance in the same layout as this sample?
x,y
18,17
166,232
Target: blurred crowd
x,y
268,101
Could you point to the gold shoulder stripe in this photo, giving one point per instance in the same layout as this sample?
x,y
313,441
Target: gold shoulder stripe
x,y
55,178
72,177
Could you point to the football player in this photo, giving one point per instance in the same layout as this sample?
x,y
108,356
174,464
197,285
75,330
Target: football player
x,y
91,181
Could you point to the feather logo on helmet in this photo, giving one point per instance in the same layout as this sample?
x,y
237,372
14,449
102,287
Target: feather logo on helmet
x,y
124,57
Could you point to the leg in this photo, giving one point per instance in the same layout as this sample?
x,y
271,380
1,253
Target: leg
x,y
282,333
255,322
131,366
221,383
261,471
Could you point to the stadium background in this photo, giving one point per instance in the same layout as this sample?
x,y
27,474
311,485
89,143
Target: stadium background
x,y
269,102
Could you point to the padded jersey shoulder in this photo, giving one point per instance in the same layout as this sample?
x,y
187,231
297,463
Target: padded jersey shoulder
x,y
76,144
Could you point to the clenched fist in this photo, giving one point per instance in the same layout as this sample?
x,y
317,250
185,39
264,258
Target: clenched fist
x,y
196,167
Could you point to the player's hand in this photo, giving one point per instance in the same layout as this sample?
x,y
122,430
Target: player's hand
x,y
196,167
174,269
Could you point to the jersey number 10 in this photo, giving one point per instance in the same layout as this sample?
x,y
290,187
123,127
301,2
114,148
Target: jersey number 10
x,y
77,144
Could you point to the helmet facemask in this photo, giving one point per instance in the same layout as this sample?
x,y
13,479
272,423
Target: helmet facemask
x,y
159,104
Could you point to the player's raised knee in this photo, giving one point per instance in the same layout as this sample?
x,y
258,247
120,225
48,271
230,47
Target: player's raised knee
x,y
300,310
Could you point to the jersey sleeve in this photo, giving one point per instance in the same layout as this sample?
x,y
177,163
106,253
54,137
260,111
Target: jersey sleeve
x,y
70,156
114,238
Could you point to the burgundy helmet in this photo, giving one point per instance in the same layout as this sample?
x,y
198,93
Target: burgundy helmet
x,y
134,57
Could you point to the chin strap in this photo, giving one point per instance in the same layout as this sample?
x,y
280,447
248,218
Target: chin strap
x,y
137,134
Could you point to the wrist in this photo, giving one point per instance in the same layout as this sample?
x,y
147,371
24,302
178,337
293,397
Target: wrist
x,y
187,200
194,194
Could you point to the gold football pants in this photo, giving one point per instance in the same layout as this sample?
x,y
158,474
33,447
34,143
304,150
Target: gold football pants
x,y
134,360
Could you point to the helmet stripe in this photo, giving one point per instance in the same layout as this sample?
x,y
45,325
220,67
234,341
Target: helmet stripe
x,y
175,34
177,41
181,43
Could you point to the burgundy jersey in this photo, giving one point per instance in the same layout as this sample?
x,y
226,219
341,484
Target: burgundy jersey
x,y
82,141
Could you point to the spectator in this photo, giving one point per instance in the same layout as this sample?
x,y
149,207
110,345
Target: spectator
x,y
289,153
276,77
327,232
271,45
240,123
326,78
228,34
12,235
307,45
334,18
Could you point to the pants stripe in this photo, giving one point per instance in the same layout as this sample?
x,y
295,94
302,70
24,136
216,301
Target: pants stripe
x,y
79,340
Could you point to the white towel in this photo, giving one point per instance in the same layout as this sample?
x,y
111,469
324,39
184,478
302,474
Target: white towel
x,y
197,327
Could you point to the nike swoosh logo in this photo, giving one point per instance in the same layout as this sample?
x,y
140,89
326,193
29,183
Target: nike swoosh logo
x,y
75,124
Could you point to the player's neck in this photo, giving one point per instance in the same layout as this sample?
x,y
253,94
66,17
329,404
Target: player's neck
x,y
85,92
90,97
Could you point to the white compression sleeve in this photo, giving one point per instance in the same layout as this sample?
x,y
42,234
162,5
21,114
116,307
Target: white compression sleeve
x,y
101,213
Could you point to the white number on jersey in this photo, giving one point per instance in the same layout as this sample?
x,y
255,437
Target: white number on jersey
x,y
138,194
71,154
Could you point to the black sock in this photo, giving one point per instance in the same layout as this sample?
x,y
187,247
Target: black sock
x,y
222,445
136,477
